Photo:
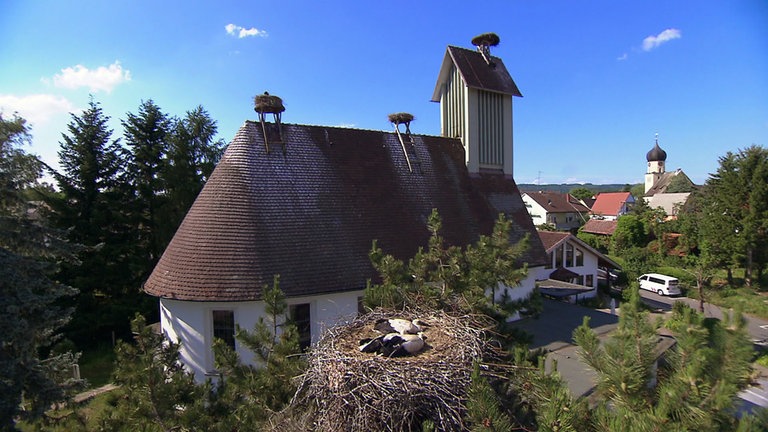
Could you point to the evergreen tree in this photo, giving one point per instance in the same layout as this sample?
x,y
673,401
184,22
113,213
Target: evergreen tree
x,y
192,156
147,135
693,389
246,395
89,206
483,406
157,393
449,277
31,314
736,204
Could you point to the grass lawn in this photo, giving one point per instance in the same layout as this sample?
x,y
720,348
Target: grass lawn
x,y
84,417
97,364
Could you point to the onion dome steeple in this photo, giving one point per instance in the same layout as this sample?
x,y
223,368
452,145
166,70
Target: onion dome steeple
x,y
656,154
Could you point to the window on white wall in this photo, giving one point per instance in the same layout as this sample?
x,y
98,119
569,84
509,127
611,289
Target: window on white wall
x,y
300,316
224,326
579,258
568,255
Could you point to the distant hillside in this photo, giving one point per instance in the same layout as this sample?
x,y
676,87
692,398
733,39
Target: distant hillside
x,y
567,187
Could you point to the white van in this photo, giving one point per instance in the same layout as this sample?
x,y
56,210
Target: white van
x,y
660,284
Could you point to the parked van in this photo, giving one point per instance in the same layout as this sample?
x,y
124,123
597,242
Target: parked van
x,y
660,284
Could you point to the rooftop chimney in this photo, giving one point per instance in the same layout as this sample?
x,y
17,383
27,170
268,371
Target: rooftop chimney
x,y
269,104
484,42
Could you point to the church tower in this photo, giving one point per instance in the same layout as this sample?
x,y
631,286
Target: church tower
x,y
656,158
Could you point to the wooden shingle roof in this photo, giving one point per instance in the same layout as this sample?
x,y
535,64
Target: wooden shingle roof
x,y
476,73
310,214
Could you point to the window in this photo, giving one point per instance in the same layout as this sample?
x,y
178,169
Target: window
x,y
568,255
300,316
549,261
579,258
559,256
224,326
589,281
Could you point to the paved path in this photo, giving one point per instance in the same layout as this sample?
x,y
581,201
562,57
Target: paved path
x,y
756,327
82,397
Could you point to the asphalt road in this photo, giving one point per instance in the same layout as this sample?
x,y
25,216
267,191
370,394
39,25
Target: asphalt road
x,y
756,327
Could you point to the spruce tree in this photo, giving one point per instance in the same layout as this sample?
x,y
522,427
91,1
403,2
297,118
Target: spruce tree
x,y
31,311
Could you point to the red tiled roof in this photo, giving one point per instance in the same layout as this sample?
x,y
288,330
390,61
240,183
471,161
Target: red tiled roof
x,y
597,226
550,238
554,202
609,203
312,213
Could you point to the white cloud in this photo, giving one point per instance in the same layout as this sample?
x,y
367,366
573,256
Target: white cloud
x,y
622,57
667,35
242,32
103,78
37,109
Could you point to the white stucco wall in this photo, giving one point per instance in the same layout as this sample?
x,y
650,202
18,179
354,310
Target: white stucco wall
x,y
191,324
589,268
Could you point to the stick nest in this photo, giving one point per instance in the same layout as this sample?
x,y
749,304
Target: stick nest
x,y
486,39
267,103
349,390
401,117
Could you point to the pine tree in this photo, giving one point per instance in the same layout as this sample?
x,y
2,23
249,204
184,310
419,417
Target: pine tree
x,y
157,393
483,406
251,394
692,389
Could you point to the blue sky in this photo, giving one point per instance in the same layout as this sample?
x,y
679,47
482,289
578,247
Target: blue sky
x,y
599,78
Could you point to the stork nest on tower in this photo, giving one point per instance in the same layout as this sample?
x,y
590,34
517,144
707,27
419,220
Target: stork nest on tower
x,y
267,103
486,39
349,390
401,117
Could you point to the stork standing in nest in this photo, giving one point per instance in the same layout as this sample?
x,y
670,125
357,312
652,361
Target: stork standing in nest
x,y
394,344
399,325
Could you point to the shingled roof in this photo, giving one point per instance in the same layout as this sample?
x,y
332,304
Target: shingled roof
x,y
476,73
311,214
556,202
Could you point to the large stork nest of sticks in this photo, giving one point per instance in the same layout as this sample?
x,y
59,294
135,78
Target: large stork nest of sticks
x,y
486,39
348,390
267,103
401,117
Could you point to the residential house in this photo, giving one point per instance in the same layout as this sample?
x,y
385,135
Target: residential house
x,y
611,205
571,271
599,227
560,210
306,202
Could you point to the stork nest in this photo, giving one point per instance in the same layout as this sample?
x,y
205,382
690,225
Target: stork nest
x,y
486,39
349,390
401,117
267,103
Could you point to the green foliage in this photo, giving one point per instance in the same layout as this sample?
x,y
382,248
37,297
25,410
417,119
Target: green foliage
x,y
248,395
447,277
599,242
483,410
556,409
158,393
582,193
693,389
31,298
630,232
680,184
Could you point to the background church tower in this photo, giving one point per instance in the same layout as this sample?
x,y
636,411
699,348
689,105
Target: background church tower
x,y
656,158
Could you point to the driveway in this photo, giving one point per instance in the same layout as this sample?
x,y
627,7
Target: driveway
x,y
757,328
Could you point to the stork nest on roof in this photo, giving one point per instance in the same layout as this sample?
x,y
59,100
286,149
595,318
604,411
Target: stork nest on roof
x,y
486,39
401,117
348,390
267,103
